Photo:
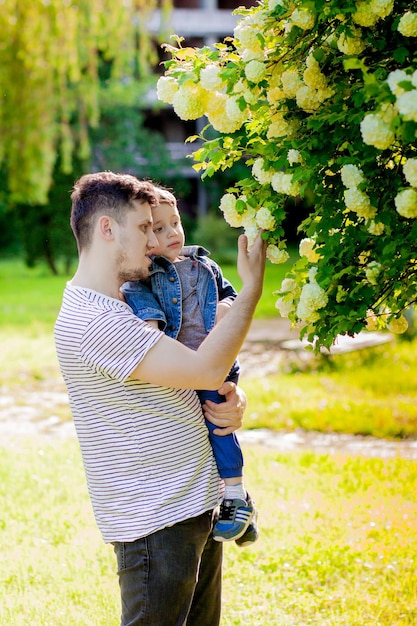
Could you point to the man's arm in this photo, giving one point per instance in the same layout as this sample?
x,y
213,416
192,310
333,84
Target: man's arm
x,y
169,363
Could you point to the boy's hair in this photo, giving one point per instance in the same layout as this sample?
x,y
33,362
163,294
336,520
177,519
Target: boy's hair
x,y
165,196
105,193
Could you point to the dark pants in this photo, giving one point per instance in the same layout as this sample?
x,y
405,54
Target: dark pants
x,y
172,577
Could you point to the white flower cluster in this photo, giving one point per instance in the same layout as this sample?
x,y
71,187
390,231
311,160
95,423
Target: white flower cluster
x,y
407,25
190,101
291,83
359,202
224,116
351,42
264,219
303,18
355,199
410,171
307,248
250,226
255,71
368,13
289,294
406,199
372,272
283,183
406,203
166,88
263,176
210,78
376,131
352,176
294,156
280,127
371,321
276,255
376,228
228,206
398,325
252,220
312,298
406,99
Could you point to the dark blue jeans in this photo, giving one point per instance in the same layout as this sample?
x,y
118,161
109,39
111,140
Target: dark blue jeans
x,y
172,577
226,449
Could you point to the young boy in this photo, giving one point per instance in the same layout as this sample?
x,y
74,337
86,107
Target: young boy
x,y
185,295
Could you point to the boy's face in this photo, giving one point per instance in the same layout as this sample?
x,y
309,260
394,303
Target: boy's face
x,y
168,230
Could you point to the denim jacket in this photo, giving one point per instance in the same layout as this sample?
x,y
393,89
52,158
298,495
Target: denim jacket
x,y
159,297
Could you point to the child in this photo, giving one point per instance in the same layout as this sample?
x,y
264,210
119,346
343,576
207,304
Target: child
x,y
185,295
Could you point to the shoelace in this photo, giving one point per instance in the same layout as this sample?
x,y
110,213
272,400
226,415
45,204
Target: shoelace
x,y
227,510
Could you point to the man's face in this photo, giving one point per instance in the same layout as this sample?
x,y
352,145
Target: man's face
x,y
136,242
168,230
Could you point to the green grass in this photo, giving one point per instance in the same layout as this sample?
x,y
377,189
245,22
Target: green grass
x,y
368,392
30,297
338,543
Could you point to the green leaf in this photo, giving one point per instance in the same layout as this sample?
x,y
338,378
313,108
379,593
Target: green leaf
x,y
401,54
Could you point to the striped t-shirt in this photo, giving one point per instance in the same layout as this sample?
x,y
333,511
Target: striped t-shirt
x,y
145,448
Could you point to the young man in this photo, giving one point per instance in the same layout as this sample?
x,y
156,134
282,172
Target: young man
x,y
129,398
185,295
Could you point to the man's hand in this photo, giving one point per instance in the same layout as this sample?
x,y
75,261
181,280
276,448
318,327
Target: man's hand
x,y
251,263
228,416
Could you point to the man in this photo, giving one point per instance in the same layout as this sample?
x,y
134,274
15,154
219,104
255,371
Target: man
x,y
131,393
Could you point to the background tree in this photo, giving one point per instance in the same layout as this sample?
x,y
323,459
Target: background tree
x,y
50,55
317,97
67,71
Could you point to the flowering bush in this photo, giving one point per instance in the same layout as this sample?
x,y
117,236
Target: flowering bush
x,y
317,97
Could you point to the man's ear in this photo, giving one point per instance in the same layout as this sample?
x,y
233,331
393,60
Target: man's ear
x,y
106,227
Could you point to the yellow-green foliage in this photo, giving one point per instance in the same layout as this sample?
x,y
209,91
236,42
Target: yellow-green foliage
x,y
49,62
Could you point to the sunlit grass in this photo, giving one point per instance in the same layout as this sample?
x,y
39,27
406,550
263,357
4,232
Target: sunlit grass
x,y
338,543
369,392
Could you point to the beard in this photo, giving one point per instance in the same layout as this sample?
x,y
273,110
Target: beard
x,y
127,274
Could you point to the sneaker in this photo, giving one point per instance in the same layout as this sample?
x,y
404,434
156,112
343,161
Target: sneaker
x,y
251,534
234,518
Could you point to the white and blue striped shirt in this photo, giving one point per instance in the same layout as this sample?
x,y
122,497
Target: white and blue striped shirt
x,y
145,448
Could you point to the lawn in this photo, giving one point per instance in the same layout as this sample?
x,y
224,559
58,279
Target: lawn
x,y
367,392
337,547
